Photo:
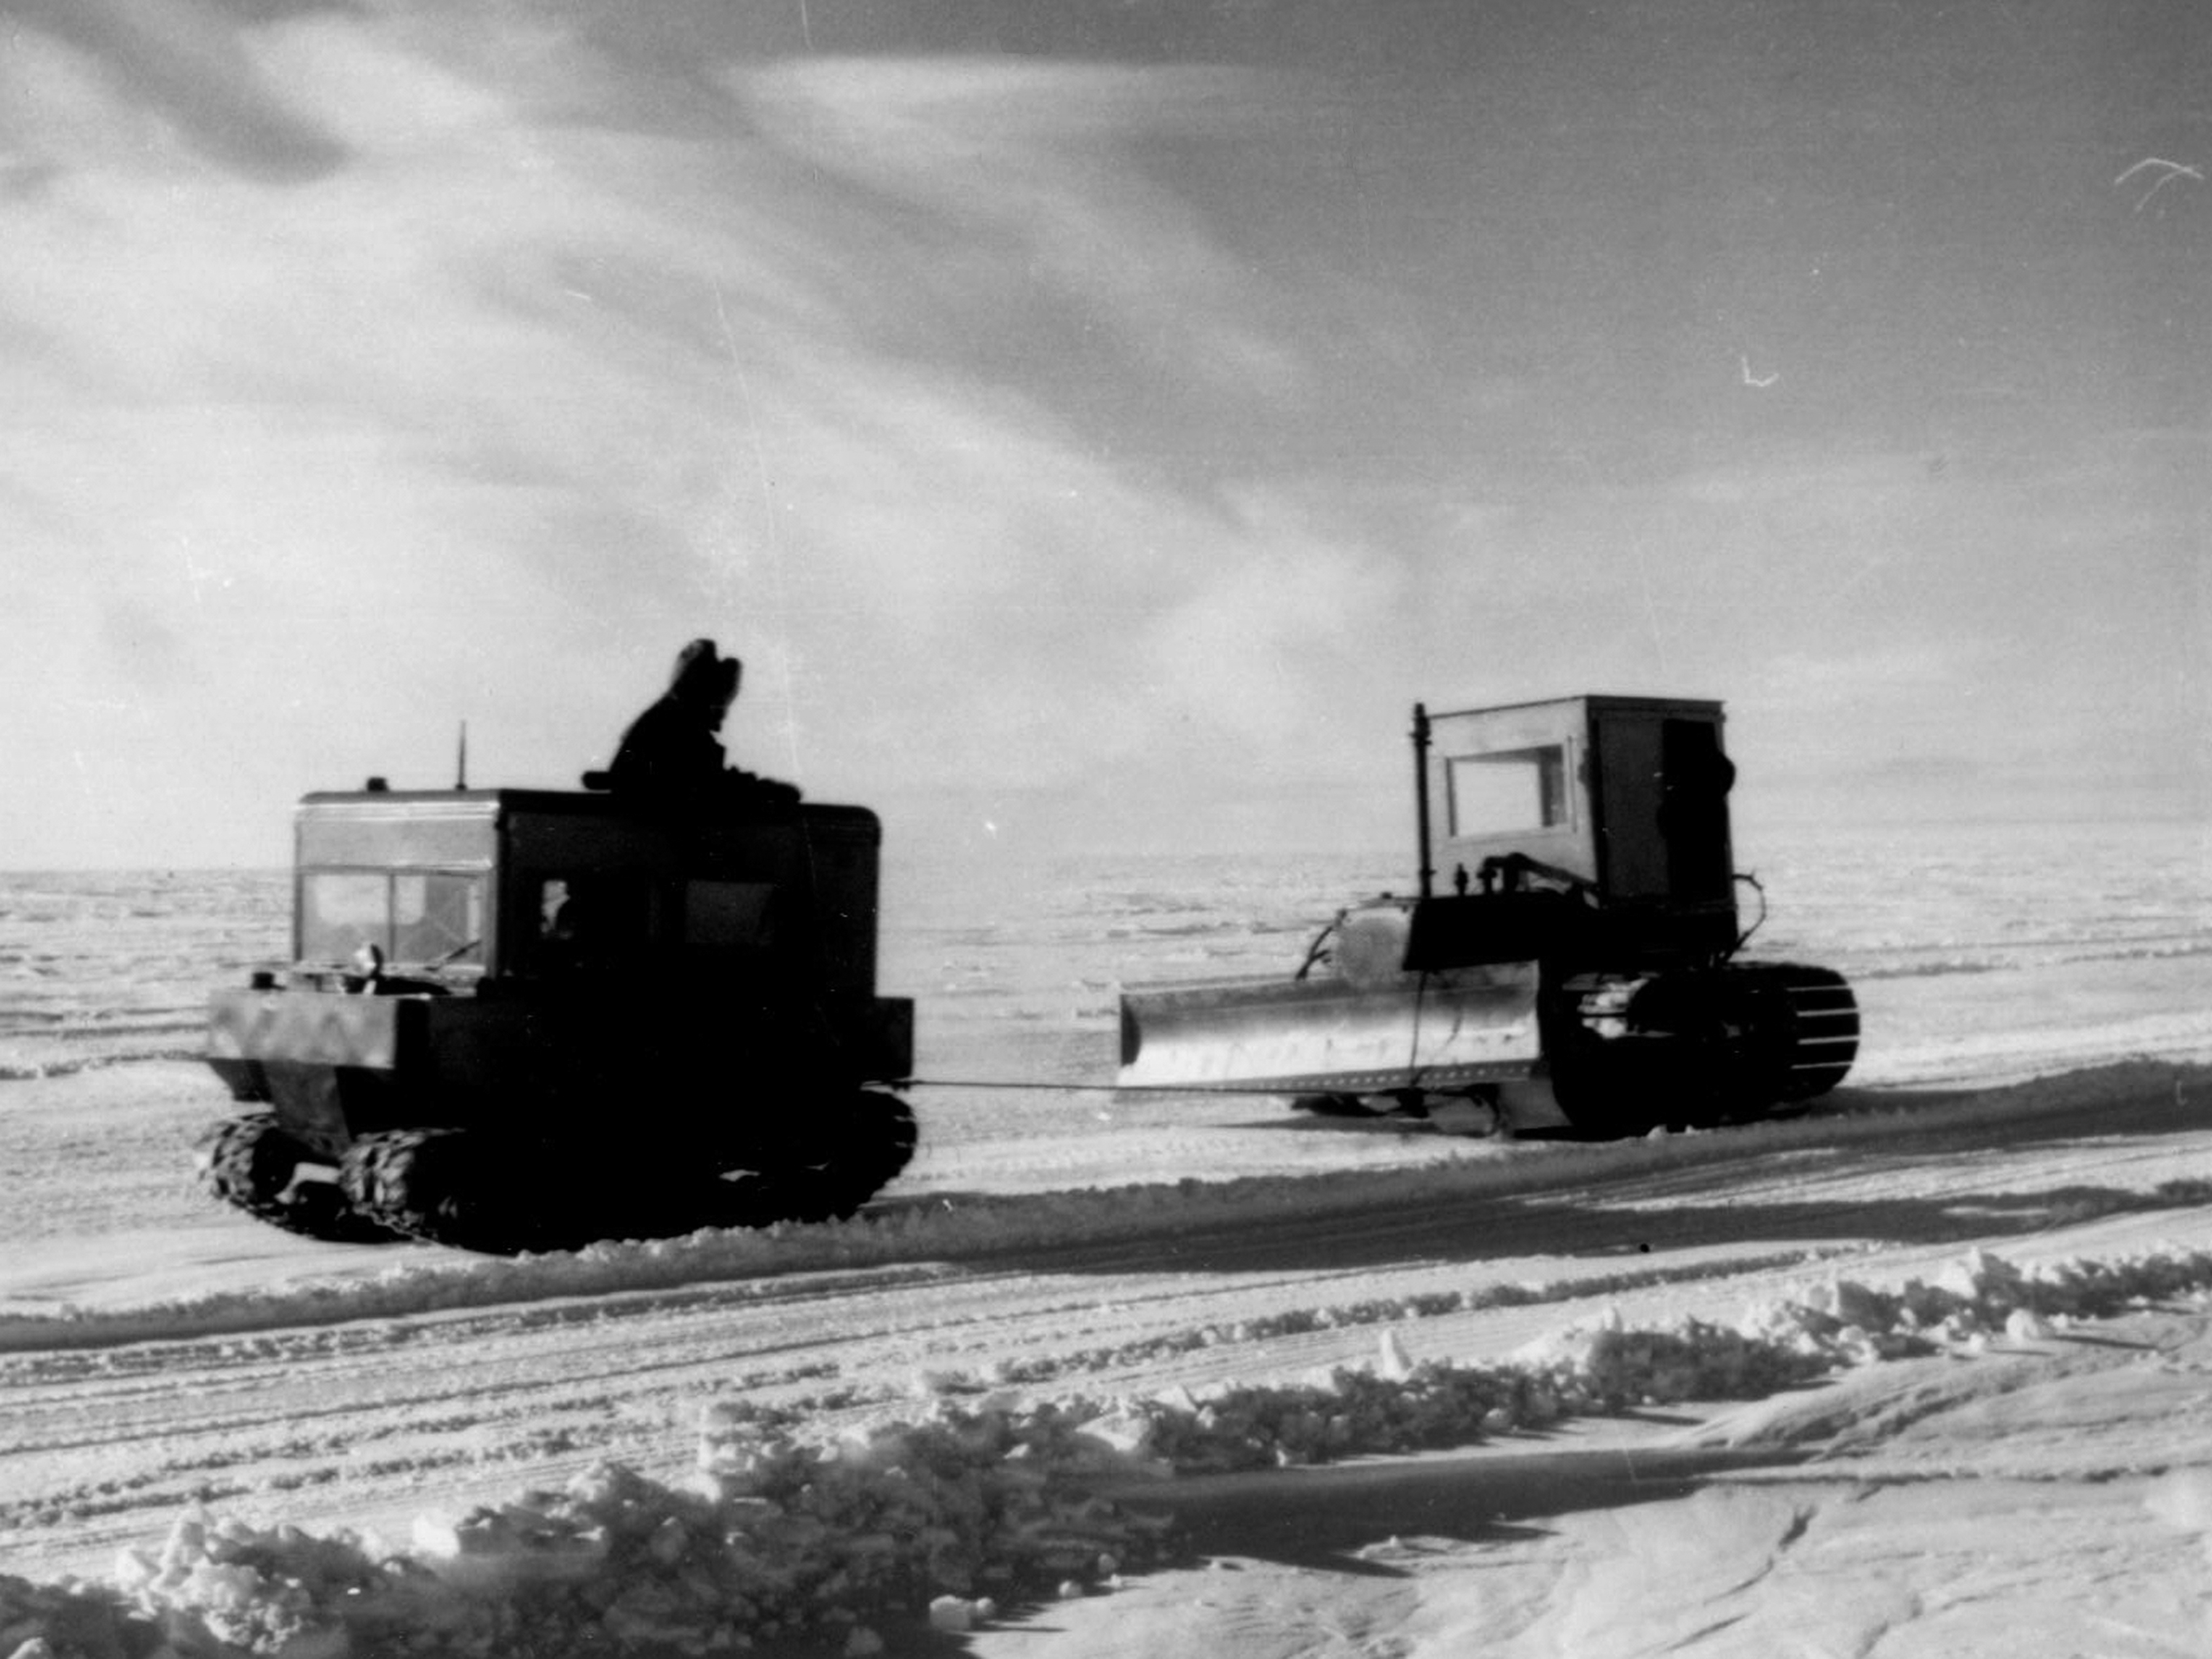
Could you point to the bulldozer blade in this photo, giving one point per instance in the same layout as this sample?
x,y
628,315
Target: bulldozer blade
x,y
1270,1035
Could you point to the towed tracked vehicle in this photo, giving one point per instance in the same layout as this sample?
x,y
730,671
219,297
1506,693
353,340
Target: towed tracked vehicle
x,y
525,1020
1584,963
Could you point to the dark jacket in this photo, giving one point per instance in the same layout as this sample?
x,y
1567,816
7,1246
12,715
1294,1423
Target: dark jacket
x,y
669,755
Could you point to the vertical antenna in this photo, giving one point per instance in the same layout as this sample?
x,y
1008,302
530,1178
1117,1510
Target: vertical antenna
x,y
461,770
1421,793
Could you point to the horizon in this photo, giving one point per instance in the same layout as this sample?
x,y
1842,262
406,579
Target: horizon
x,y
976,846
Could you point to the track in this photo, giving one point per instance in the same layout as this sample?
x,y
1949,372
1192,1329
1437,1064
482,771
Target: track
x,y
373,1420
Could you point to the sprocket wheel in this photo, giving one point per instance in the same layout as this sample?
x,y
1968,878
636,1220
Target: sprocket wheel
x,y
249,1163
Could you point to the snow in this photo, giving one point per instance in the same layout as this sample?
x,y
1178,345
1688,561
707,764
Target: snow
x,y
775,1534
971,1228
1923,1370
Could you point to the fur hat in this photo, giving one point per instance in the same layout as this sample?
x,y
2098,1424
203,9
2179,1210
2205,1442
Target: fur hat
x,y
702,674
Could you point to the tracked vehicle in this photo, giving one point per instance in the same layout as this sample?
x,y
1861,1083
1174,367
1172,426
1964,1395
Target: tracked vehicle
x,y
1584,963
525,1020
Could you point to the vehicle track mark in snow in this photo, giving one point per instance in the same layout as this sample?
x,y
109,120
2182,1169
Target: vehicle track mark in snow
x,y
419,1405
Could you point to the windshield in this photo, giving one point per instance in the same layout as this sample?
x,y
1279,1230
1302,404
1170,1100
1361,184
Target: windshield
x,y
417,917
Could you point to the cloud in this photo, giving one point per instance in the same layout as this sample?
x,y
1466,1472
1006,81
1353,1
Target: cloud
x,y
167,77
502,392
1036,168
1042,424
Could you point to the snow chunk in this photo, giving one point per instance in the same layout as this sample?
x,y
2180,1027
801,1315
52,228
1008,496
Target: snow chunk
x,y
2023,1325
953,1613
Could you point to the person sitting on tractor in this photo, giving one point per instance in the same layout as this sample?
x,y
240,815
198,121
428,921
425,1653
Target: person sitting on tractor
x,y
669,757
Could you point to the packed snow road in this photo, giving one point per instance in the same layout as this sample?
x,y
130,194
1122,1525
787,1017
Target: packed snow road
x,y
153,1351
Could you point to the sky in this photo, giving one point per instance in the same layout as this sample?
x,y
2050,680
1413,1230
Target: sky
x,y
1096,424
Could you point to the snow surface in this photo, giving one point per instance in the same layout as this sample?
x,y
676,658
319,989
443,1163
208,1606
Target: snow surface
x,y
774,1534
1108,1375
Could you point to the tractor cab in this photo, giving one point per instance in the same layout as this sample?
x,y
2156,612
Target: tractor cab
x,y
462,890
1595,815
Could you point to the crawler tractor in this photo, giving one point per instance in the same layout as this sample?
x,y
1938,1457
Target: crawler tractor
x,y
1583,962
524,1019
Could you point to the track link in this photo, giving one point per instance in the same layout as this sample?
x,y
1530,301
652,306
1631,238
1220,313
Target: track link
x,y
1824,1018
463,1188
1700,1048
428,1184
249,1163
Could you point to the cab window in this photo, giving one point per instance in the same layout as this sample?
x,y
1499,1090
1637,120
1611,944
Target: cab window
x,y
436,918
1510,792
418,918
593,921
730,914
